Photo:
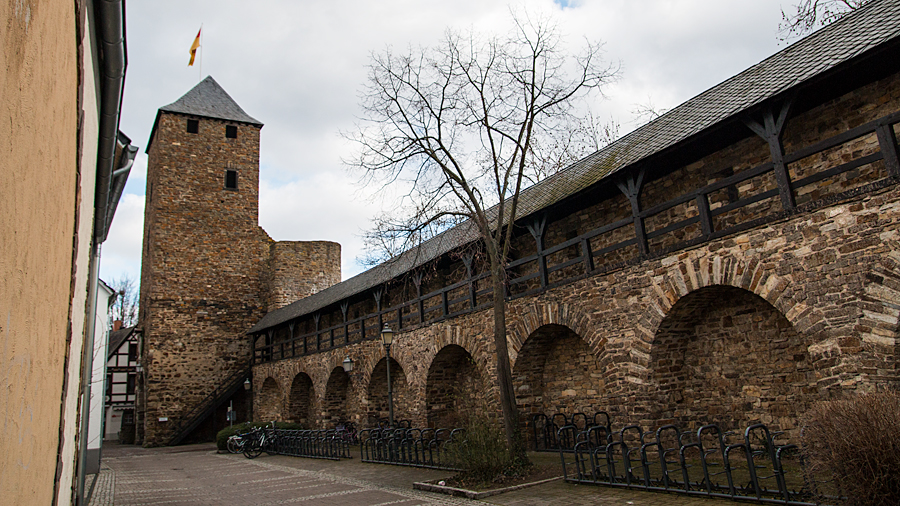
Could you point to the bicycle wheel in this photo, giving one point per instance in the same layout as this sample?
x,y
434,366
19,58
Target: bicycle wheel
x,y
232,445
253,447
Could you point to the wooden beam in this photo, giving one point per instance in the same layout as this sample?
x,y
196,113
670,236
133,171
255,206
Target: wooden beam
x,y
420,304
888,143
771,131
631,187
706,223
468,260
537,227
587,255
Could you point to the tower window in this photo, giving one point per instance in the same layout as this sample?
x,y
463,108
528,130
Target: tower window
x,y
231,131
230,179
193,126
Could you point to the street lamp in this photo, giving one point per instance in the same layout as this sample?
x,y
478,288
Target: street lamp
x,y
249,400
387,338
347,364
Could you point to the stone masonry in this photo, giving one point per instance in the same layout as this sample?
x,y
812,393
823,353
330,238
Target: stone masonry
x,y
748,327
300,268
208,269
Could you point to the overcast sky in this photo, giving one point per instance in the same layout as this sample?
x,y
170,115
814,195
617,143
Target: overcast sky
x,y
298,66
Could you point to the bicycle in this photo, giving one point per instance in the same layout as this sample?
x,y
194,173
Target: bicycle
x,y
236,443
346,432
257,440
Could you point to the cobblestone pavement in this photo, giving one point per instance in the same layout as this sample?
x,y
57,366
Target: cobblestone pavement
x,y
102,491
197,475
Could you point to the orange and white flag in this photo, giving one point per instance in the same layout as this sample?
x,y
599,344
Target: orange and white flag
x,y
194,47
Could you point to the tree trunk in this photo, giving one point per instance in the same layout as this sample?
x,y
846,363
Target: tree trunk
x,y
504,373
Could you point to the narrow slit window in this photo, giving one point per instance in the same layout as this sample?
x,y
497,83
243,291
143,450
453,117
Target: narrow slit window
x,y
193,126
231,179
231,131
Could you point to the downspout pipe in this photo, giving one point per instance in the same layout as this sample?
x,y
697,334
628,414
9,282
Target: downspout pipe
x,y
110,29
111,39
119,178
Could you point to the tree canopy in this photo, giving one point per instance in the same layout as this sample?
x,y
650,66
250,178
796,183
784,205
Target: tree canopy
x,y
462,127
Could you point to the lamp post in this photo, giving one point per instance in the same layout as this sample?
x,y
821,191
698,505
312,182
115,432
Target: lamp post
x,y
249,399
387,338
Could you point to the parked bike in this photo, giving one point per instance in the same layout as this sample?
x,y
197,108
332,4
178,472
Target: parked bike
x,y
346,432
258,440
236,443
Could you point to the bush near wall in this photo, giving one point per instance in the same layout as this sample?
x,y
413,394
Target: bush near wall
x,y
483,455
855,442
227,432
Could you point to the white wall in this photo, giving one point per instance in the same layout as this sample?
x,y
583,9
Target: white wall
x,y
98,378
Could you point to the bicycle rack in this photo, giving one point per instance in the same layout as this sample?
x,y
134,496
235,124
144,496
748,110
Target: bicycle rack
x,y
700,463
314,444
408,446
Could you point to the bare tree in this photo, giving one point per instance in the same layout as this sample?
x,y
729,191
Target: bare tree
x,y
812,13
125,307
461,128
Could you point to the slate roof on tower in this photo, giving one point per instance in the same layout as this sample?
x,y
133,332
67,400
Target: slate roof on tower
x,y
209,100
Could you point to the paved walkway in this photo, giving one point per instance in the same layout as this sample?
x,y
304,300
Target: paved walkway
x,y
197,475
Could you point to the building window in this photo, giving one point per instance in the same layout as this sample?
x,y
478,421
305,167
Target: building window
x,y
230,179
231,131
132,352
193,126
129,384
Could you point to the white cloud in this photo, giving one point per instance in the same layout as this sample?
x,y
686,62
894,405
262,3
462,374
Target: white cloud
x,y
320,207
298,68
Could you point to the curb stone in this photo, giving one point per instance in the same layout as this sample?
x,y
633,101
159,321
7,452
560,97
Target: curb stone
x,y
472,494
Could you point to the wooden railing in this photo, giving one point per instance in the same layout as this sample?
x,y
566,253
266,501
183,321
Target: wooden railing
x,y
545,270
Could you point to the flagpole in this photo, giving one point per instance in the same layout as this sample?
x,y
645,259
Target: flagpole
x,y
200,66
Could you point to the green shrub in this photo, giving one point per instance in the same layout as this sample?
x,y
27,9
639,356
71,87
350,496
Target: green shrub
x,y
483,456
854,441
227,432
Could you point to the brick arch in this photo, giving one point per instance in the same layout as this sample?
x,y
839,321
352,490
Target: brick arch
x,y
522,323
271,401
880,321
749,273
302,400
367,357
455,388
335,400
558,371
692,273
376,392
440,337
725,355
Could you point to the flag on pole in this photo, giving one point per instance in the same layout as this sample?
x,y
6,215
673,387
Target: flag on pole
x,y
194,47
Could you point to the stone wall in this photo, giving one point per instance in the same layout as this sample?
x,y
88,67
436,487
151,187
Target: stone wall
x,y
752,326
749,328
298,269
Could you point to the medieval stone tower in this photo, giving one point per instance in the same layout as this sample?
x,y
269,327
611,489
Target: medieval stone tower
x,y
209,271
